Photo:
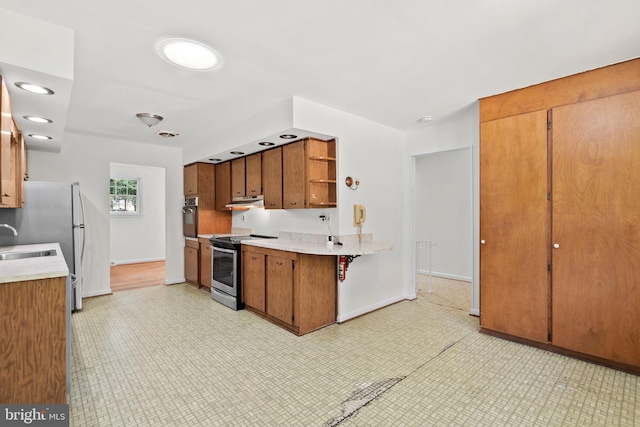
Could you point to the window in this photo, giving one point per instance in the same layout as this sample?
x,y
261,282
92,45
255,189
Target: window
x,y
125,196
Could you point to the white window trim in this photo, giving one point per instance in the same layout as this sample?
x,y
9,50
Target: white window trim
x,y
139,190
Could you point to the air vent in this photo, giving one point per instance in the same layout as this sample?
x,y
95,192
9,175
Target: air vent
x,y
167,134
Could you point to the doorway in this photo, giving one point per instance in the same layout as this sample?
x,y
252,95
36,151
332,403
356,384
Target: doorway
x,y
443,226
137,226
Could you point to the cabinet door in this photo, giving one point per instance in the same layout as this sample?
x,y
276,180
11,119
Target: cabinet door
x,y
596,225
223,186
205,264
272,178
190,180
238,178
279,288
514,223
7,183
191,258
294,176
253,280
253,174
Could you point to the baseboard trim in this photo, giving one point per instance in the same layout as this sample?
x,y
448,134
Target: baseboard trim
x,y
450,276
96,293
135,261
357,313
174,281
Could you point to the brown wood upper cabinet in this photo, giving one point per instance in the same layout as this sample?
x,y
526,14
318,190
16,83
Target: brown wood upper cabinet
x,y
309,174
272,178
298,175
559,225
12,156
238,177
253,175
294,175
199,180
223,186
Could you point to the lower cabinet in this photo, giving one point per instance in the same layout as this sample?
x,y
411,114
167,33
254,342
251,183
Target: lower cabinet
x,y
205,263
33,318
192,261
293,290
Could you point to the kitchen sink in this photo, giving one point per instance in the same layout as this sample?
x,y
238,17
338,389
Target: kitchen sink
x,y
20,255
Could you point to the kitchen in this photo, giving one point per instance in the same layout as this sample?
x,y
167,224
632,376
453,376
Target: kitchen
x,y
365,148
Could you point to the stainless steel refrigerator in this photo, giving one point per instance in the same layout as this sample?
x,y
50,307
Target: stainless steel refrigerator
x,y
52,212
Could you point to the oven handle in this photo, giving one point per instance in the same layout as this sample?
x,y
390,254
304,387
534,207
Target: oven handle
x,y
229,251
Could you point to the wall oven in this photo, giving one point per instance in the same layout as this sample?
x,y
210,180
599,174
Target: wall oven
x,y
226,269
190,217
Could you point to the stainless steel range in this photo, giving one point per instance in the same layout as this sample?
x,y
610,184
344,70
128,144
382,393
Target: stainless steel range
x,y
226,269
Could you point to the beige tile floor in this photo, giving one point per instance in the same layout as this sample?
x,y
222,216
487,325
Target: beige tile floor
x,y
170,356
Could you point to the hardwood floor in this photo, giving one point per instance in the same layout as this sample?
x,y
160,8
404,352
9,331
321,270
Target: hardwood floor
x,y
140,275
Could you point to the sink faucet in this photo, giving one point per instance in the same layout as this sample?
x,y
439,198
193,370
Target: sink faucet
x,y
15,232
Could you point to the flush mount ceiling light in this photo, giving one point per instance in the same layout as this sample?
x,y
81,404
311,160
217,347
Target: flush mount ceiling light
x,y
34,88
266,144
36,136
288,136
149,119
37,119
189,54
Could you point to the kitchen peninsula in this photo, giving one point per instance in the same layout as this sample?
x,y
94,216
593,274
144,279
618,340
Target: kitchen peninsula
x,y
292,280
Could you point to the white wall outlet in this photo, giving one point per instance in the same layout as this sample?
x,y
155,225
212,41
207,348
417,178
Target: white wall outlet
x,y
243,217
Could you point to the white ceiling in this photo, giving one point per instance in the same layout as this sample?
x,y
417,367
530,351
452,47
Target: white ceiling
x,y
389,61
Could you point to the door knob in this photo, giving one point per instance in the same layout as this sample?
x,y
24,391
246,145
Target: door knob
x,y
556,245
482,242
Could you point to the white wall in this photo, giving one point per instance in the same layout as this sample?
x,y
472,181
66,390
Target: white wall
x,y
87,160
375,155
460,130
140,238
444,213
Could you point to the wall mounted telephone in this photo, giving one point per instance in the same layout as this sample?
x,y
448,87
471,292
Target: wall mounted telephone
x,y
359,215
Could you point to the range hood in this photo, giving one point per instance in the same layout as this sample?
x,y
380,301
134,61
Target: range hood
x,y
246,202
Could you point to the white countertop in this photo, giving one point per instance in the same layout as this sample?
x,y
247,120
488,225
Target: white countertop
x,y
314,248
18,270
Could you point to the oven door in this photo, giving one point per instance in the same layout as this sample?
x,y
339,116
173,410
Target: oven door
x,y
224,270
190,221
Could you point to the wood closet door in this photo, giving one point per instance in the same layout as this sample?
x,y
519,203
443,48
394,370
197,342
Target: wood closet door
x,y
596,224
514,224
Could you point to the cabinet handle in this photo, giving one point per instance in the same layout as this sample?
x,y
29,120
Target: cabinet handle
x,y
556,246
482,242
272,204
5,195
254,257
293,203
279,262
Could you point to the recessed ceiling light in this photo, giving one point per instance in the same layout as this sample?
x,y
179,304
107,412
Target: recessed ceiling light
x,y
189,54
215,160
236,153
37,119
266,144
34,88
288,136
36,136
167,134
425,119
